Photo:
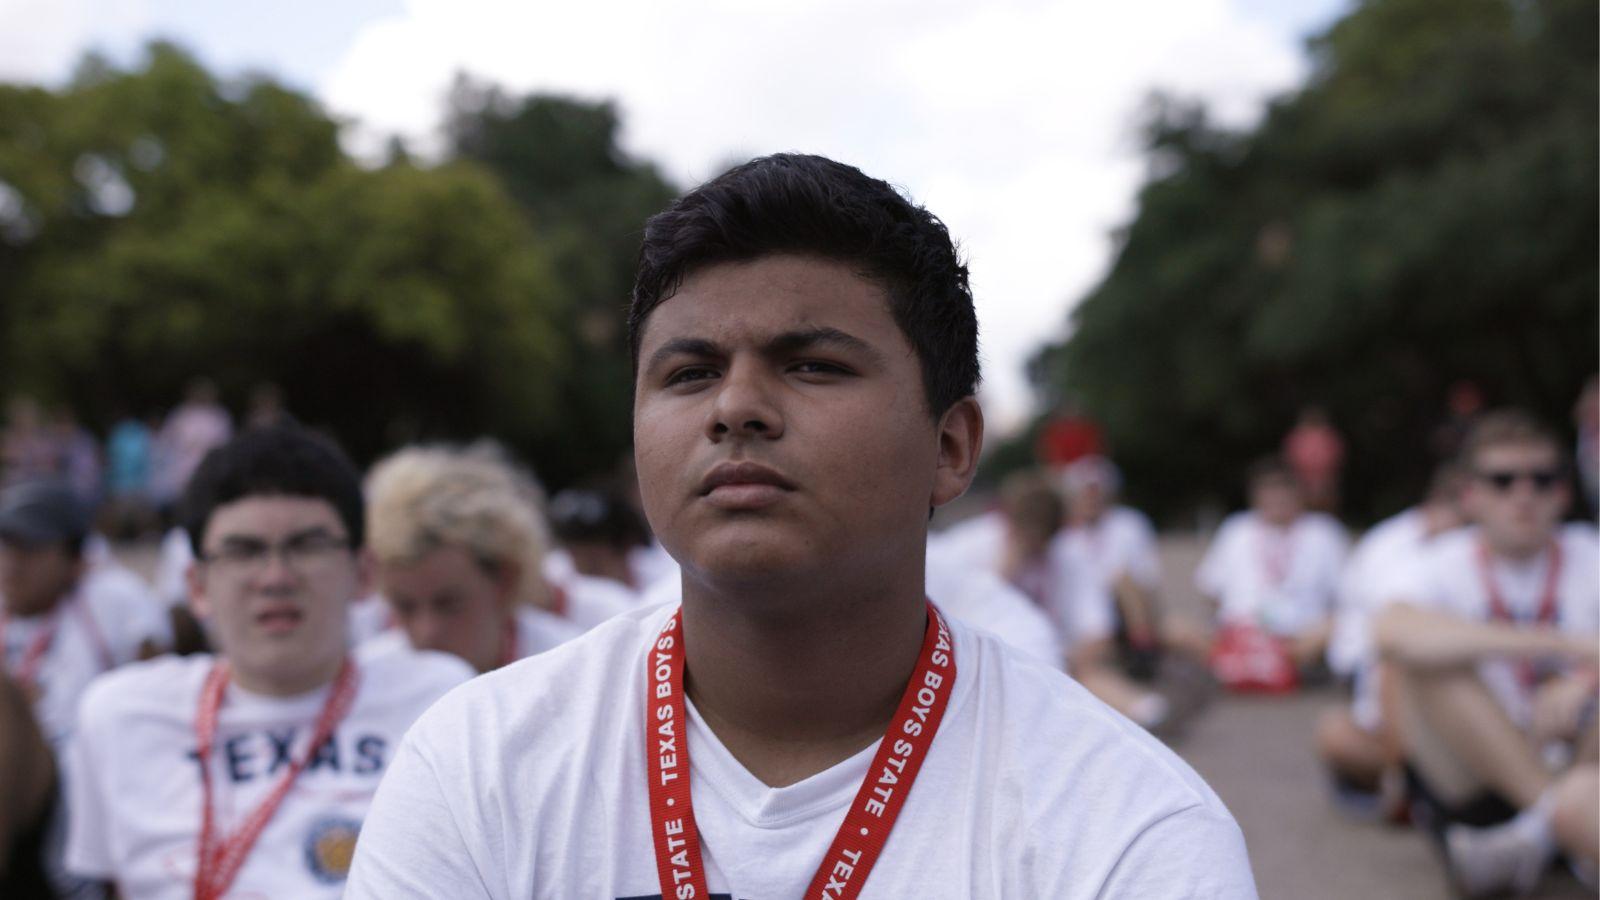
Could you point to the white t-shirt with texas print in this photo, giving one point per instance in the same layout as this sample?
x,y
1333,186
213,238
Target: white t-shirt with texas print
x,y
134,795
531,782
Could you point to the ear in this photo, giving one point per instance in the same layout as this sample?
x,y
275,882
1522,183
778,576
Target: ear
x,y
960,444
199,603
366,574
507,583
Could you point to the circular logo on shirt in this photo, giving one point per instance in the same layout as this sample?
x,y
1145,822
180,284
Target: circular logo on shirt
x,y
329,848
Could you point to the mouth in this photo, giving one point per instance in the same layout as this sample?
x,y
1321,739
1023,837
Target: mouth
x,y
743,486
279,620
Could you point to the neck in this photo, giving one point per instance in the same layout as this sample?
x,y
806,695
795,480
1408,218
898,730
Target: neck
x,y
794,684
1437,520
1516,552
288,684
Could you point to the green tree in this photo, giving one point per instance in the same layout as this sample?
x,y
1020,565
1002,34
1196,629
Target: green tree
x,y
1422,211
165,224
560,159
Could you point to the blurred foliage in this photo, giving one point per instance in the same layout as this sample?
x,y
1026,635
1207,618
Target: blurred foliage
x,y
1423,211
159,223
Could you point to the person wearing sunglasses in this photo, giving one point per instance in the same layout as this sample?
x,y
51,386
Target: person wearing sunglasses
x,y
1492,635
249,773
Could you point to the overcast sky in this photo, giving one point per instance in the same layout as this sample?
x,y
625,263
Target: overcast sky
x,y
1013,120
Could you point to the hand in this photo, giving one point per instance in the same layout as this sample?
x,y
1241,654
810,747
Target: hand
x,y
1558,705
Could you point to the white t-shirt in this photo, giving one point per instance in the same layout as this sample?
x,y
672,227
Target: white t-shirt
x,y
134,790
1063,583
1283,580
99,627
985,601
1389,547
537,631
588,601
1449,577
1122,542
530,782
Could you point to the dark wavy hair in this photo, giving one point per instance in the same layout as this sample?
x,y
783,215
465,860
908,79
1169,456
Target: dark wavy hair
x,y
794,203
274,461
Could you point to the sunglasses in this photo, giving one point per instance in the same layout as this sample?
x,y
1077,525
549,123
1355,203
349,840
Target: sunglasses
x,y
1541,479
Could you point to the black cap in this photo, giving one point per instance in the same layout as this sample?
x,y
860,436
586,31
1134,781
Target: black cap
x,y
42,512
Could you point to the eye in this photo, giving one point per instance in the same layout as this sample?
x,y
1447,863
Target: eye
x,y
818,367
690,374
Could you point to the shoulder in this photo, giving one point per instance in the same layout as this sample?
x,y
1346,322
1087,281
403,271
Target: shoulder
x,y
1325,528
164,685
540,701
1069,746
601,598
113,588
1132,521
1236,526
395,674
1580,542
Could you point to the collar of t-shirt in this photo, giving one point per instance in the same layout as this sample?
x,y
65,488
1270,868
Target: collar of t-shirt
x,y
759,804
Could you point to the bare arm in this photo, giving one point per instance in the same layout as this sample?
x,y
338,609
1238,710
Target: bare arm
x,y
1421,638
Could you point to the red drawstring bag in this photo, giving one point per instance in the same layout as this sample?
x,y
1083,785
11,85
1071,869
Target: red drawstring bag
x,y
1248,660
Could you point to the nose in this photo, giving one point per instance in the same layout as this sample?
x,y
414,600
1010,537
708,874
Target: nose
x,y
275,574
746,404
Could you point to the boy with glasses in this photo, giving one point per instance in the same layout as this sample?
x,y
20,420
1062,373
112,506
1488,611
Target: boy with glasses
x,y
1493,637
250,772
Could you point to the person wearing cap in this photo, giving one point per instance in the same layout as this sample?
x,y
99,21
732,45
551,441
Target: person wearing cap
x,y
64,621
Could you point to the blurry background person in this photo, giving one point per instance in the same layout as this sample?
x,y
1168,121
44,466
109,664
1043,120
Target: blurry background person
x,y
1357,743
291,732
459,547
190,431
1315,451
1274,569
64,620
1492,637
1586,418
1014,540
598,532
128,512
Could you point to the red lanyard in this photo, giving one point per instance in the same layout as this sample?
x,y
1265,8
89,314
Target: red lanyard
x,y
1277,554
221,858
27,672
872,813
1546,613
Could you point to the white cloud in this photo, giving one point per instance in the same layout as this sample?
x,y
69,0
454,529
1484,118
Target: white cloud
x,y
42,40
1013,121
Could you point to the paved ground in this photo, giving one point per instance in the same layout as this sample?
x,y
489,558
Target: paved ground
x,y
1257,754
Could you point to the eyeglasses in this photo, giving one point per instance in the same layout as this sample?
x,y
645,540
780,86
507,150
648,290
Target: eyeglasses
x,y
241,557
1502,481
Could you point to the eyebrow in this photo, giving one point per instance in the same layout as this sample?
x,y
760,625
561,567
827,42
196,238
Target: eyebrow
x,y
788,342
255,539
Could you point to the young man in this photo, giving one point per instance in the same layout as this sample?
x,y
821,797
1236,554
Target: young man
x,y
806,353
1493,639
458,546
249,773
64,621
1357,743
1274,568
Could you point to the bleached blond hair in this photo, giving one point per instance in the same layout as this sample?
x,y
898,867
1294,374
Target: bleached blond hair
x,y
423,498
